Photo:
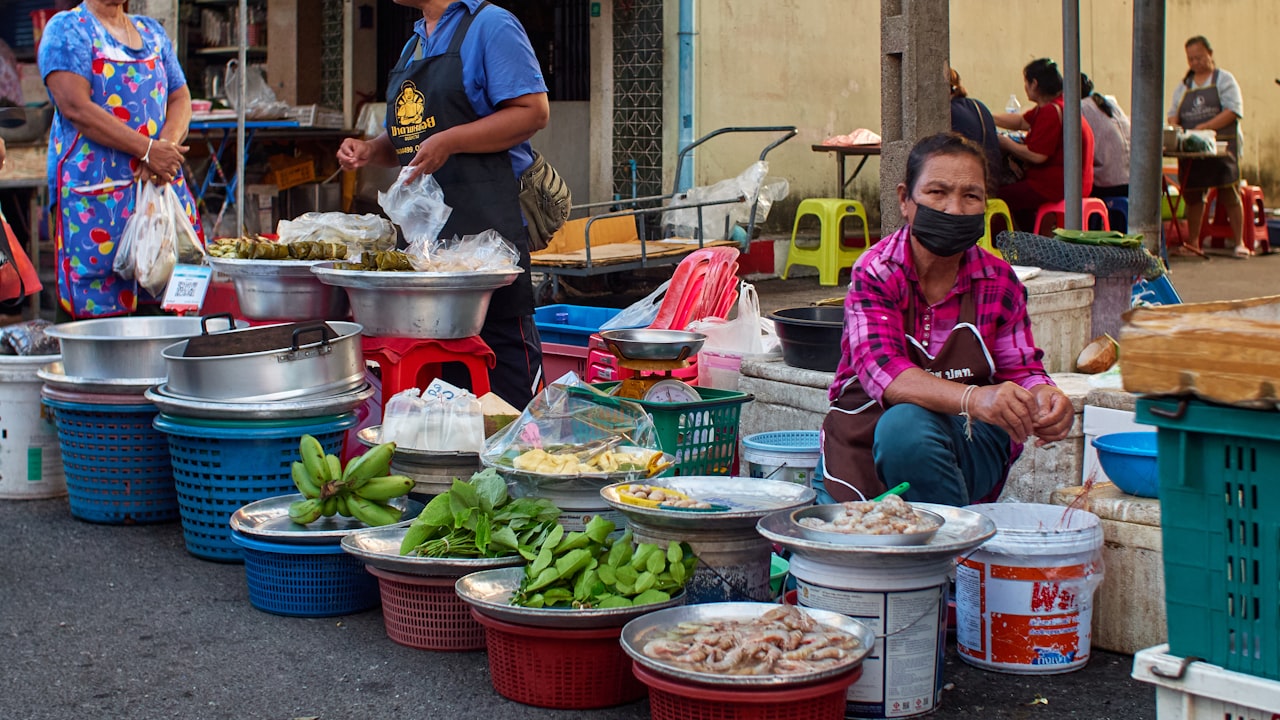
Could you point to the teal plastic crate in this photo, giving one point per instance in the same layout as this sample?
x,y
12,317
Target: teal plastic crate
x,y
1219,470
703,435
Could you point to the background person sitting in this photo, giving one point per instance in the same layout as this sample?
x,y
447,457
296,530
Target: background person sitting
x,y
1041,152
971,118
1110,141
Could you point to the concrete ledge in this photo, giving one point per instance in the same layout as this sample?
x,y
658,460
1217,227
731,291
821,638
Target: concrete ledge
x,y
1129,613
1112,399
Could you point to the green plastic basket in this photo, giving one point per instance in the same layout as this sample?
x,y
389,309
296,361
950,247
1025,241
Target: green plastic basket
x,y
701,435
1219,473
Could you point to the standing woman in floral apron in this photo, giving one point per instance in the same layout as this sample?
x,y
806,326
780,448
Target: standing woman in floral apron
x,y
1208,98
940,381
463,101
121,112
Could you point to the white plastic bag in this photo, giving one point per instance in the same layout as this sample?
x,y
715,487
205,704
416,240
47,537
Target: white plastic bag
x,y
485,252
148,250
719,221
261,102
417,207
402,418
640,313
190,249
357,232
452,419
739,336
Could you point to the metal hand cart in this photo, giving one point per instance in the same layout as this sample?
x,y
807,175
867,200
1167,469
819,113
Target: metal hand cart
x,y
638,250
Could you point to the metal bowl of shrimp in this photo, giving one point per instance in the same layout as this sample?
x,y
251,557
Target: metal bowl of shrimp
x,y
833,524
747,644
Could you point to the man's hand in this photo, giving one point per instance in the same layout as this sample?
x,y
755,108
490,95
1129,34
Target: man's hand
x,y
431,156
1054,414
354,154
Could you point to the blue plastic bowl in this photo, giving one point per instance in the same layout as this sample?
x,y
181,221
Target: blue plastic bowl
x,y
1129,460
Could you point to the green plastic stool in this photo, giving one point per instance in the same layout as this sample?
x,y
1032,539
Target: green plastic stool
x,y
995,208
831,255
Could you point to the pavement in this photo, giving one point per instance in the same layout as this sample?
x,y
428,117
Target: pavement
x,y
110,621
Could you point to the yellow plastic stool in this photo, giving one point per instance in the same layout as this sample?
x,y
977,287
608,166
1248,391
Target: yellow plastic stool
x,y
995,208
832,255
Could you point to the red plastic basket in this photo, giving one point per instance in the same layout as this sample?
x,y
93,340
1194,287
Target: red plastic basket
x,y
559,668
426,612
671,699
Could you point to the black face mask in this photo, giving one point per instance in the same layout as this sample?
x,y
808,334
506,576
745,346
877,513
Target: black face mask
x,y
945,234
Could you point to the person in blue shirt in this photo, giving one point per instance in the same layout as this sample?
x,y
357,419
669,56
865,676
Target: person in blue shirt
x,y
462,103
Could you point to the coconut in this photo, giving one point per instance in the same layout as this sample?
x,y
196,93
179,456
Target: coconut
x,y
1099,355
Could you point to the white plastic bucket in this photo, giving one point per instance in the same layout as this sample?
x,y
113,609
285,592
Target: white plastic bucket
x,y
787,455
719,371
30,462
905,604
1024,600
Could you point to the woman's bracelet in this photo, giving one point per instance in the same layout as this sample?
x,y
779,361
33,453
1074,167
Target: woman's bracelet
x,y
146,157
964,411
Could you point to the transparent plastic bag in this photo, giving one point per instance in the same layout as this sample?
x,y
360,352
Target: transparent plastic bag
x,y
485,252
148,249
358,232
452,419
417,207
261,102
739,336
640,313
718,221
569,428
190,249
401,419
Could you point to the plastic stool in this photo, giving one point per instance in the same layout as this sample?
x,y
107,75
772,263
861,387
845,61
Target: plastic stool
x,y
1118,213
832,255
413,362
996,208
1215,226
1091,208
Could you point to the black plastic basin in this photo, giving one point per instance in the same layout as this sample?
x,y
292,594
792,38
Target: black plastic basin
x,y
810,336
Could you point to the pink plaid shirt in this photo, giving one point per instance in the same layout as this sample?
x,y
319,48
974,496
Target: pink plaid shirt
x,y
884,278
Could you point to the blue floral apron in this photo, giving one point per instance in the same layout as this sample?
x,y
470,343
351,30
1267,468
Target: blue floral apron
x,y
93,192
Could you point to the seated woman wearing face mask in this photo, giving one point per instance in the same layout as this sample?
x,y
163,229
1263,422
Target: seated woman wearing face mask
x,y
940,381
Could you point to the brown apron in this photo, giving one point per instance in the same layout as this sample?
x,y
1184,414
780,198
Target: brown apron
x,y
850,426
1197,106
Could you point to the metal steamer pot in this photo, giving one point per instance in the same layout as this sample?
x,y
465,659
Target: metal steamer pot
x,y
124,348
263,364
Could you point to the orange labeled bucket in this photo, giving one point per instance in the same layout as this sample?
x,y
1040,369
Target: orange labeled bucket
x,y
1024,600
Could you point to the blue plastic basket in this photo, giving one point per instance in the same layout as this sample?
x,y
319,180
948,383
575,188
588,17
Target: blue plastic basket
x,y
783,441
116,464
571,324
219,467
305,580
1129,460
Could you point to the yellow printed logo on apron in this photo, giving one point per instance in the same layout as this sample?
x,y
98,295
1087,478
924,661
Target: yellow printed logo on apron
x,y
410,107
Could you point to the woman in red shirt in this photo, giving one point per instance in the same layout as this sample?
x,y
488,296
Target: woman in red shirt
x,y
1040,153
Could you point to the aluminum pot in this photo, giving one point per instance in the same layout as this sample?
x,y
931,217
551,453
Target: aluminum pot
x,y
425,305
126,348
282,290
268,363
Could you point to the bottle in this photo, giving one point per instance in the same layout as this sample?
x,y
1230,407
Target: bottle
x,y
1013,105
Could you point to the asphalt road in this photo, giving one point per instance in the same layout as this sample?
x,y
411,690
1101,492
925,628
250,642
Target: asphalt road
x,y
100,621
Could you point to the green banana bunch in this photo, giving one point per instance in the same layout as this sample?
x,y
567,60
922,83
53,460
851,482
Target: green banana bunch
x,y
306,511
312,454
303,480
371,512
375,462
385,487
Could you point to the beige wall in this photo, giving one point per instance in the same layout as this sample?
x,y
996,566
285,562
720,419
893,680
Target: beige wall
x,y
816,64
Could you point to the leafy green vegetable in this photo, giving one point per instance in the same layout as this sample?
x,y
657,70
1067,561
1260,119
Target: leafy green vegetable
x,y
477,518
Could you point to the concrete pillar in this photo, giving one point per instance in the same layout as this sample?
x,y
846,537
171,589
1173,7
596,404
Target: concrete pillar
x,y
1071,141
1147,118
915,45
600,42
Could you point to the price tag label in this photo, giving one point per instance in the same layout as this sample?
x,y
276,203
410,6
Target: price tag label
x,y
187,288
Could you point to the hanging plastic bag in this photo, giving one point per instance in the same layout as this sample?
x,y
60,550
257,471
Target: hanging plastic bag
x,y
126,249
739,336
260,101
419,209
190,248
148,250
640,313
486,252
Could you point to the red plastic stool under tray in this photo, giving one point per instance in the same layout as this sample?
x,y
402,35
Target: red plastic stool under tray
x,y
414,362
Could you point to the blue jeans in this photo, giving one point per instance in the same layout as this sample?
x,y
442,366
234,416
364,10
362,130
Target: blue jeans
x,y
929,450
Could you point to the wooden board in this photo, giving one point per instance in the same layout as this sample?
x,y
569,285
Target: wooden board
x,y
619,253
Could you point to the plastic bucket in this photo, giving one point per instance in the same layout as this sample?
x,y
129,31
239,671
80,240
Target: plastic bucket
x,y
734,565
1024,600
721,371
30,463
788,455
904,602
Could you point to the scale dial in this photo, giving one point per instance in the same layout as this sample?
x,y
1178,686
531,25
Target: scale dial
x,y
672,391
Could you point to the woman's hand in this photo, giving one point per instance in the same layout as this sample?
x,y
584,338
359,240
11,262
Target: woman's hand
x,y
1054,414
1008,406
164,160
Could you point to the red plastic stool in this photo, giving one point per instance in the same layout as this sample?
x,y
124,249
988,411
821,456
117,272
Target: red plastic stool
x,y
413,362
1091,208
1215,227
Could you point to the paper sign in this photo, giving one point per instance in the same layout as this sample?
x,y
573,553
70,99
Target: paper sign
x,y
187,288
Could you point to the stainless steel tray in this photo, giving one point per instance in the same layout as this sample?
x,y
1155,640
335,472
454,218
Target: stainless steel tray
x,y
53,374
490,591
538,481
962,531
828,512
372,436
240,267
380,547
748,499
268,520
650,344
652,626
275,410
376,280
